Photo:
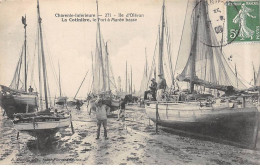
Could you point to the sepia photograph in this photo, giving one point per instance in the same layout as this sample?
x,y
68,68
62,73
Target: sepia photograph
x,y
129,82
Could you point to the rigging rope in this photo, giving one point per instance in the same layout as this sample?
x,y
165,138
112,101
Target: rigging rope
x,y
35,46
49,58
181,38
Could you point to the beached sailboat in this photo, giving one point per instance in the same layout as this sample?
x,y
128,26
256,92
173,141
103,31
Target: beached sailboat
x,y
16,98
256,80
61,100
254,90
45,123
145,79
103,79
76,102
227,119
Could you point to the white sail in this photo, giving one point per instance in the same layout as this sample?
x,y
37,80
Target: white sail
x,y
199,61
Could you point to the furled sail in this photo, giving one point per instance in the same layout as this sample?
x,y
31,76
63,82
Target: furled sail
x,y
103,78
199,62
17,83
145,78
162,58
257,82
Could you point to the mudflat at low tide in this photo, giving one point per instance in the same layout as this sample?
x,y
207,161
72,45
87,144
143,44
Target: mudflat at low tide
x,y
133,141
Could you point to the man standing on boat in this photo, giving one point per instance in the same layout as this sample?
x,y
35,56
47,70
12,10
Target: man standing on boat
x,y
160,87
101,113
30,89
152,90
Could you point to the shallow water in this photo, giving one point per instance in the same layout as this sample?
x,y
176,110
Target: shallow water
x,y
131,142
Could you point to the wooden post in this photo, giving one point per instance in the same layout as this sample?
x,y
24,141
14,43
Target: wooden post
x,y
17,136
72,128
256,128
37,143
244,102
157,115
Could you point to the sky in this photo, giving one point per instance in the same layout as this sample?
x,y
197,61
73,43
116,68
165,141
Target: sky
x,y
71,43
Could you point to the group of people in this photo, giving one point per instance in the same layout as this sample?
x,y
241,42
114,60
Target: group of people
x,y
156,89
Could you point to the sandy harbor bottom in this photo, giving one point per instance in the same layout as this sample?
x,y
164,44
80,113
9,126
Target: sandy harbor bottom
x,y
133,142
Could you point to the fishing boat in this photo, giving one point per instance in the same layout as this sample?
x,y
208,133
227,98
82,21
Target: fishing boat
x,y
103,82
76,102
16,98
227,118
145,78
61,100
44,123
256,80
145,82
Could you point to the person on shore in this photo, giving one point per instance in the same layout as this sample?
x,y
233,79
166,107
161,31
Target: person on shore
x,y
152,90
30,89
101,115
121,113
78,104
160,87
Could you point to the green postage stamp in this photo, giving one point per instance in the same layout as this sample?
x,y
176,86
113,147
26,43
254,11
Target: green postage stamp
x,y
243,23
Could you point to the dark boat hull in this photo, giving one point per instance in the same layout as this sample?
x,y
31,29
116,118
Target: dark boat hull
x,y
238,126
11,106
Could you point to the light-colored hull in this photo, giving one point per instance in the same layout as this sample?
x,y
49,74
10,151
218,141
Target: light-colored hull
x,y
43,125
115,103
43,128
112,103
61,100
238,125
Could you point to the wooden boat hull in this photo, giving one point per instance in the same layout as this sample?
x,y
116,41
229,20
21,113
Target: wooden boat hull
x,y
239,126
61,100
42,127
18,104
112,103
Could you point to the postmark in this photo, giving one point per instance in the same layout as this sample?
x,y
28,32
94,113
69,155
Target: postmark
x,y
216,22
243,23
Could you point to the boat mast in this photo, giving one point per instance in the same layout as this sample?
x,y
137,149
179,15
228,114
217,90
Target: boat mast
x,y
146,68
39,71
193,51
160,60
80,85
100,44
92,71
43,57
25,42
59,78
236,74
126,77
107,68
131,81
254,74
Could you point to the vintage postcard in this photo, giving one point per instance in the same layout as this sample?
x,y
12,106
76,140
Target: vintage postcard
x,y
129,82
